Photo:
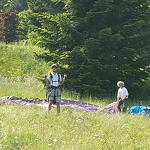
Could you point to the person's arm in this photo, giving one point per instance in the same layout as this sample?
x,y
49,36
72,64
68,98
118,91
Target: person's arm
x,y
118,95
48,80
119,99
63,80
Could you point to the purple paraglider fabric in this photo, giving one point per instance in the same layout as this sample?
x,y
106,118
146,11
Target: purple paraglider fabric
x,y
80,105
111,108
44,103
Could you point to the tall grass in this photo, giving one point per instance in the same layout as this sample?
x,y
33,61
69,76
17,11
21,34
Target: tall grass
x,y
30,128
18,69
32,88
18,60
29,88
93,100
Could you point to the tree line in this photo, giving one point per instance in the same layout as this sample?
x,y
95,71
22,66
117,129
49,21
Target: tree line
x,y
96,42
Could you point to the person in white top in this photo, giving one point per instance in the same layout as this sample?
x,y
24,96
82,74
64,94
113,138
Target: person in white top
x,y
55,82
122,96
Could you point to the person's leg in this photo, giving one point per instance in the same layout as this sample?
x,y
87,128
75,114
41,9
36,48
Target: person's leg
x,y
58,99
58,107
54,100
125,105
119,105
47,93
50,99
50,105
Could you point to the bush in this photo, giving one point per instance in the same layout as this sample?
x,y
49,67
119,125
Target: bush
x,y
18,60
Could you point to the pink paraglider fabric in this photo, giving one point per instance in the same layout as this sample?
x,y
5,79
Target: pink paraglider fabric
x,y
111,108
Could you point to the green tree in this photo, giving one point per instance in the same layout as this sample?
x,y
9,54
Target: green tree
x,y
50,6
8,24
98,42
115,33
13,5
54,32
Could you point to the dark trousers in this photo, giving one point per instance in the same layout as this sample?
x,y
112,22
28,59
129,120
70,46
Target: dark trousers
x,y
123,104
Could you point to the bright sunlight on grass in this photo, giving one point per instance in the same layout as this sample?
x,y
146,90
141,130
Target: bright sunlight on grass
x,y
33,128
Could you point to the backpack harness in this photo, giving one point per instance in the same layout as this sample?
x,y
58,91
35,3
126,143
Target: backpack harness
x,y
51,76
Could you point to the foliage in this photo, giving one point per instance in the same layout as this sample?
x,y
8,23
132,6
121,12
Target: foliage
x,y
13,5
54,32
17,60
95,42
144,90
8,25
115,33
50,6
29,87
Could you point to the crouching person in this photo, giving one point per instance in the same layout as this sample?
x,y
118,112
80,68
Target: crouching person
x,y
122,97
55,83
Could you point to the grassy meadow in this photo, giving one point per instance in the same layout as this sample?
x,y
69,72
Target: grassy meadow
x,y
19,60
19,69
30,128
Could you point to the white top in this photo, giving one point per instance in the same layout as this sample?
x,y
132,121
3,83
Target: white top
x,y
122,93
55,79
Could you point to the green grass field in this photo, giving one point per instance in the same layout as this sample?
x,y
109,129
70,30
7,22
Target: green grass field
x,y
30,128
29,88
32,88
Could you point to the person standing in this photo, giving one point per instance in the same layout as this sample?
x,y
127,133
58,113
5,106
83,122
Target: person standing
x,y
55,82
122,96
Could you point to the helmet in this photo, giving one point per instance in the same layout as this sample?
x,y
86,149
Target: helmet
x,y
53,66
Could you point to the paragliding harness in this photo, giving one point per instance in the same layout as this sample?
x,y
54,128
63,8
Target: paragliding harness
x,y
53,87
147,111
139,110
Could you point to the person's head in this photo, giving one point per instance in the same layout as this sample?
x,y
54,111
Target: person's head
x,y
54,67
120,84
